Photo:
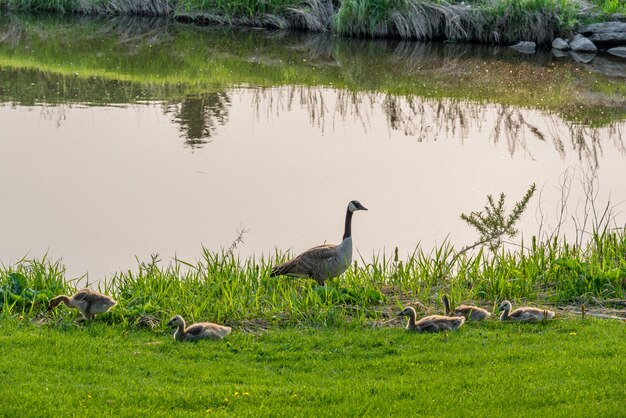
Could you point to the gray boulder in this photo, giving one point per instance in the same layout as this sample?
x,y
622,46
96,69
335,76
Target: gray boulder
x,y
606,33
525,47
619,51
582,44
604,27
612,38
560,44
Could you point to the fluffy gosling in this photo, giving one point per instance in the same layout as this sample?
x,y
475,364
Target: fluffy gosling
x,y
88,302
469,312
197,331
523,314
432,323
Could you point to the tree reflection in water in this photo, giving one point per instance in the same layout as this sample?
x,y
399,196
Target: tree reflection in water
x,y
198,117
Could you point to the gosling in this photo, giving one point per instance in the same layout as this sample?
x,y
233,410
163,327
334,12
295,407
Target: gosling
x,y
469,312
523,314
197,331
432,323
88,302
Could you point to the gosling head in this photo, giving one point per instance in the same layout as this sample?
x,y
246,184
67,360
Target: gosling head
x,y
505,306
355,205
54,303
176,321
108,302
408,311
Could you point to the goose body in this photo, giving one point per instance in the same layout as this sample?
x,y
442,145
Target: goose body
x,y
324,261
523,314
432,323
469,312
88,302
198,330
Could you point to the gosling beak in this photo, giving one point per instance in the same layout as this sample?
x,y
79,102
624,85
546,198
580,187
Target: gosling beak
x,y
169,324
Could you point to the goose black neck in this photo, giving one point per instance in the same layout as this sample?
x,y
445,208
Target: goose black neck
x,y
347,233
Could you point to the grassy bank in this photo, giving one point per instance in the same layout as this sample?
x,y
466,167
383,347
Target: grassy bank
x,y
559,369
490,21
241,293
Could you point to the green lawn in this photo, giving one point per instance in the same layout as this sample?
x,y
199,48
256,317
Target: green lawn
x,y
562,368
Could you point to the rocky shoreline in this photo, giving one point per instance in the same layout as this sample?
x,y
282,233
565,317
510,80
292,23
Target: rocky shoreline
x,y
584,45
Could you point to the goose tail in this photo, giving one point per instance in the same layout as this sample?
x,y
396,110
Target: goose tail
x,y
281,270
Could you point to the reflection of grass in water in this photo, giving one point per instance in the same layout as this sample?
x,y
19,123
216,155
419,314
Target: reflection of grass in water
x,y
160,62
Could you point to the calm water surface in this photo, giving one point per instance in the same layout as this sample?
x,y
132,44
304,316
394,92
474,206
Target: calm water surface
x,y
101,163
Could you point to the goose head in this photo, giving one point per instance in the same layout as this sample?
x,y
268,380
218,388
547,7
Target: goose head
x,y
355,205
505,306
176,321
408,311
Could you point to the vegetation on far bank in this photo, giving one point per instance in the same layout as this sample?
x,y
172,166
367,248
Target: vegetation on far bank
x,y
489,21
49,59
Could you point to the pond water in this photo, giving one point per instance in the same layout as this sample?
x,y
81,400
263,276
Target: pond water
x,y
120,139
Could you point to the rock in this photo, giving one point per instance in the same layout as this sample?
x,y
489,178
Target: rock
x,y
619,51
584,57
606,33
560,44
582,44
613,38
604,27
525,47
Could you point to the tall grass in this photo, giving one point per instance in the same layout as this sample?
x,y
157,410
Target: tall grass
x,y
224,288
136,7
503,21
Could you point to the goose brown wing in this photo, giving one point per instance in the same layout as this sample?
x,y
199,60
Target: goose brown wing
x,y
429,327
526,314
306,263
195,329
88,296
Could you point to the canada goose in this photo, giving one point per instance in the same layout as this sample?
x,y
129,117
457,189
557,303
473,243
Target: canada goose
x,y
432,323
469,312
324,261
88,302
197,331
523,314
